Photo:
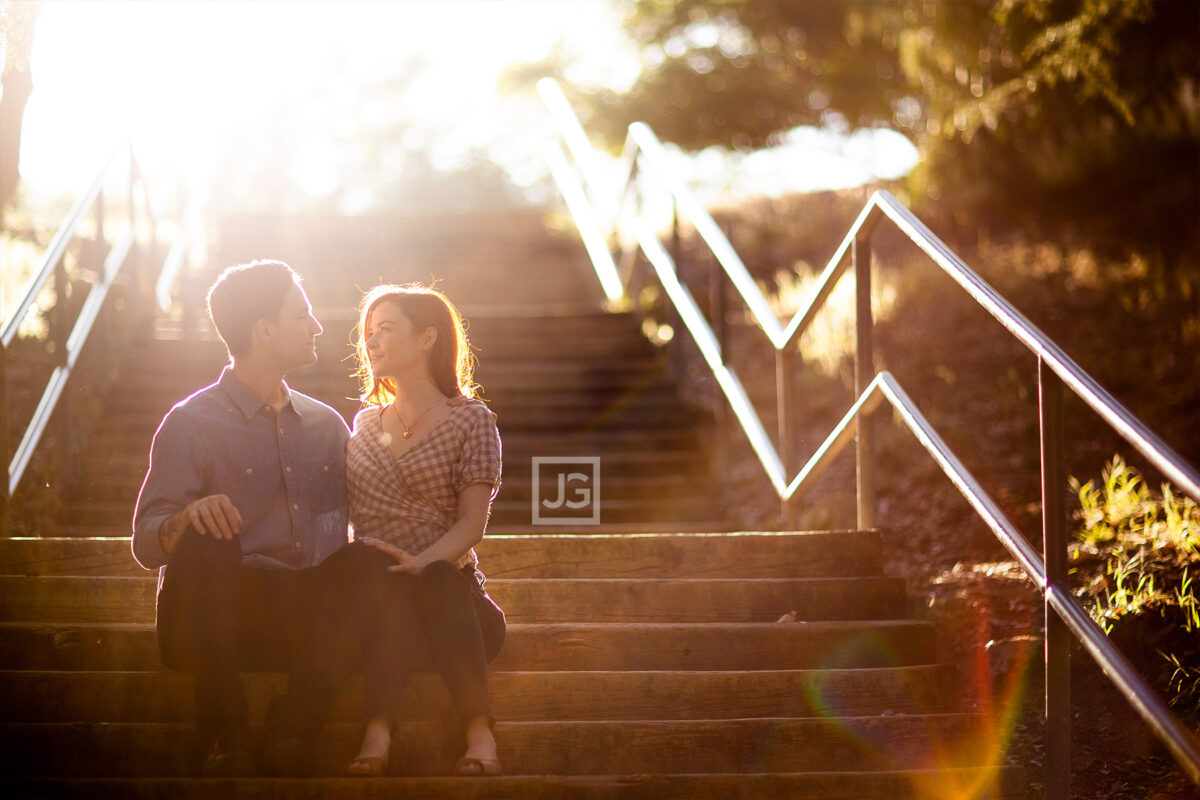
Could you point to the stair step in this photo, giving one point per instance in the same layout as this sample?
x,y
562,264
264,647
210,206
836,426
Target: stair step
x,y
661,449
833,554
569,647
694,505
538,748
540,600
978,783
33,696
517,485
521,371
631,417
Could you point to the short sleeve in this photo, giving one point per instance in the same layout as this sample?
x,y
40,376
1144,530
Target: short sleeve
x,y
479,459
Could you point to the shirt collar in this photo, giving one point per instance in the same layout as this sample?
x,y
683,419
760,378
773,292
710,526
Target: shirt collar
x,y
246,400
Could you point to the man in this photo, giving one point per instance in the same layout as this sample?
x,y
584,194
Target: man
x,y
244,510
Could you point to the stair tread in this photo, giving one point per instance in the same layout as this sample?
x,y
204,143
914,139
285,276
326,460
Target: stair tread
x,y
547,646
990,782
156,695
598,551
546,747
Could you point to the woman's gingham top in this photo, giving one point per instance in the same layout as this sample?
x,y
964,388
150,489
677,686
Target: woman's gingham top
x,y
411,501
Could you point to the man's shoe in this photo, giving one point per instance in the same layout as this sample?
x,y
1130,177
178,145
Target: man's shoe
x,y
224,761
287,757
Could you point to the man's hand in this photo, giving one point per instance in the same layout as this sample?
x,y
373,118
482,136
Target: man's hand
x,y
215,516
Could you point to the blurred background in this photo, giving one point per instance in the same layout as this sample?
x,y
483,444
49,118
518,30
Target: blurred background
x,y
1053,144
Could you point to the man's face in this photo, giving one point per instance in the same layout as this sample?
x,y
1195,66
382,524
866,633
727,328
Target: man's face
x,y
292,336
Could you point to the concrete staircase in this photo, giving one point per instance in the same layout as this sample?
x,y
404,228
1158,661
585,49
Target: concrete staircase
x,y
643,658
635,666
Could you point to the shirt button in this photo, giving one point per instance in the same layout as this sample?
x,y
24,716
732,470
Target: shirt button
x,y
295,508
289,469
249,471
281,431
297,545
327,468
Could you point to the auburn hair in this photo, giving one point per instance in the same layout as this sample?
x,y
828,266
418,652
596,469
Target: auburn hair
x,y
451,363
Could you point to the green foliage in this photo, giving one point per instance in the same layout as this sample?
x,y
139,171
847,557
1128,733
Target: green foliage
x,y
1185,681
1150,547
1006,99
1125,511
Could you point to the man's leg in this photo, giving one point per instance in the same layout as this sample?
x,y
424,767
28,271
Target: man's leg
x,y
198,616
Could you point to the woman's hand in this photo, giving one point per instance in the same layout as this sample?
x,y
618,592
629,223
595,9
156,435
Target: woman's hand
x,y
405,562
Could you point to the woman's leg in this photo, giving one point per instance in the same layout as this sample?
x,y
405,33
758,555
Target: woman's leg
x,y
465,631
391,650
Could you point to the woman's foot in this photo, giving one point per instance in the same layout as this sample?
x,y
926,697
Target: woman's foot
x,y
480,758
373,756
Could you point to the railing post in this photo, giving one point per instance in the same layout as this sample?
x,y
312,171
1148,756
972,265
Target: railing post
x,y
677,357
61,333
137,281
5,454
716,294
864,373
1054,543
784,401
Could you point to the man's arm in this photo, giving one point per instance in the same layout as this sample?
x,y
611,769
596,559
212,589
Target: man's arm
x,y
172,497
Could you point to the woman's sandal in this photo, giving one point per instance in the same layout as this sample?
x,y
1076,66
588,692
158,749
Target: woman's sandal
x,y
376,767
468,766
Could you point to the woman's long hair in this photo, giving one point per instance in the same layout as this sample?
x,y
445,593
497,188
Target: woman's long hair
x,y
451,364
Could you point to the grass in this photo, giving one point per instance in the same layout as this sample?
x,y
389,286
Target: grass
x,y
1137,561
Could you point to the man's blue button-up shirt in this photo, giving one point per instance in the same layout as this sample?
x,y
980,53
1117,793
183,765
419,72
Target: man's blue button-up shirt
x,y
284,471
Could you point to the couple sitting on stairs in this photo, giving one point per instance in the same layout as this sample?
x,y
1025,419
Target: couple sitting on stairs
x,y
245,509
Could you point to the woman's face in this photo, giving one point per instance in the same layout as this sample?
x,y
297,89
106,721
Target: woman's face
x,y
393,346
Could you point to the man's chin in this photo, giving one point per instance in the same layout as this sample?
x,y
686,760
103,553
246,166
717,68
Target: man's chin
x,y
304,361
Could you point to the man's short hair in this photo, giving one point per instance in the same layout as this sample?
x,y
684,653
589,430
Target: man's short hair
x,y
244,294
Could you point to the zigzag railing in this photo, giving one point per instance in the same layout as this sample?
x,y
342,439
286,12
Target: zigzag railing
x,y
597,212
106,261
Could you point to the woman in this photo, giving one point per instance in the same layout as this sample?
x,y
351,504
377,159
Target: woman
x,y
422,470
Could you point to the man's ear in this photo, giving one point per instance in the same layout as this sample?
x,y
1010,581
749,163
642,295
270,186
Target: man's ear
x,y
429,338
261,332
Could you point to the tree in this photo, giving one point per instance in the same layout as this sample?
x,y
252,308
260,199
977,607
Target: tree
x,y
17,18
1002,97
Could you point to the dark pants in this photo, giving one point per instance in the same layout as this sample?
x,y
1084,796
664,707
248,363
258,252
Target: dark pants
x,y
217,619
442,618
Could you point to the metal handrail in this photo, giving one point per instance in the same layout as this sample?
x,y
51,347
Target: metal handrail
x,y
57,249
59,377
177,256
72,343
1055,370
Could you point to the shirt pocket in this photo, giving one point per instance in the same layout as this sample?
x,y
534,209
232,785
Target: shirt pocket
x,y
254,485
323,483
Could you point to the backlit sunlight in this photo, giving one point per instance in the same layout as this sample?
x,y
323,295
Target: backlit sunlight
x,y
339,98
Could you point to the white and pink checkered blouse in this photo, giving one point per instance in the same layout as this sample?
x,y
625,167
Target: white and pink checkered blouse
x,y
411,501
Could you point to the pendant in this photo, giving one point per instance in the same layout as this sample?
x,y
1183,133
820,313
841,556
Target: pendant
x,y
407,434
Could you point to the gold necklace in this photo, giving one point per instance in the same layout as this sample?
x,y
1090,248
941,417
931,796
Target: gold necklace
x,y
408,429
